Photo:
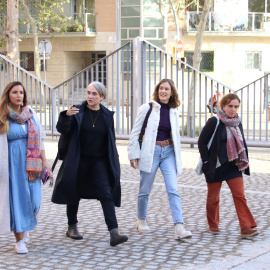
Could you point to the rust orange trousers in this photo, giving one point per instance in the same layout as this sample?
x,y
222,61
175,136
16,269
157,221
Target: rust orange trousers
x,y
236,186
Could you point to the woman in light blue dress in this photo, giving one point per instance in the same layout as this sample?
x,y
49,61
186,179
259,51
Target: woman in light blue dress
x,y
22,148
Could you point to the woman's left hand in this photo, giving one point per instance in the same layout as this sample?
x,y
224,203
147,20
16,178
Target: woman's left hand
x,y
45,165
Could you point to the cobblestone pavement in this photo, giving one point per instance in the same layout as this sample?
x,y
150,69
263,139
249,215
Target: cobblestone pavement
x,y
49,248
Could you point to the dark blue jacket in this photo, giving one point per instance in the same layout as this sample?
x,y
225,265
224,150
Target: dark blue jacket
x,y
211,154
65,186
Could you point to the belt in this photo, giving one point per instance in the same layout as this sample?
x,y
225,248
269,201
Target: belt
x,y
165,143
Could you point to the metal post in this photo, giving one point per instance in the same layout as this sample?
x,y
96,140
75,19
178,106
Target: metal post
x,y
117,24
44,64
137,76
53,111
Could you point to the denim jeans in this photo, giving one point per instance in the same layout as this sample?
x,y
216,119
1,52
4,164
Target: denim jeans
x,y
164,158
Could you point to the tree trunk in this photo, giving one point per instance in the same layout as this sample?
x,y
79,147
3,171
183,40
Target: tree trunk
x,y
11,34
196,64
35,38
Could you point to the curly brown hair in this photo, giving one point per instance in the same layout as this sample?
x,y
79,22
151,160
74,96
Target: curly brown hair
x,y
174,100
228,98
5,108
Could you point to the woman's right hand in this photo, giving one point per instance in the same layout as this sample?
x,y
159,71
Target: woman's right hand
x,y
72,110
134,163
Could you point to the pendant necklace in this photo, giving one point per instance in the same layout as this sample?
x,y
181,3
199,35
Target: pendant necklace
x,y
92,118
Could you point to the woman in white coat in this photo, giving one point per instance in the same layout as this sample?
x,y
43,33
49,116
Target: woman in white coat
x,y
161,148
22,158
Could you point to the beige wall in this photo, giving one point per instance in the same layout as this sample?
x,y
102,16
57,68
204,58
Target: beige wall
x,y
229,56
70,55
106,15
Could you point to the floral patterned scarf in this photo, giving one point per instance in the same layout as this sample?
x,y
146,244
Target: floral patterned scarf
x,y
33,161
235,144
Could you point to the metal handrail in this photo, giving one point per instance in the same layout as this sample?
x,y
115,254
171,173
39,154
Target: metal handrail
x,y
87,68
25,71
186,64
252,82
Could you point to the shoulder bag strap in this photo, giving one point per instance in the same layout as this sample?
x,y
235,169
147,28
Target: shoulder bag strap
x,y
145,124
210,141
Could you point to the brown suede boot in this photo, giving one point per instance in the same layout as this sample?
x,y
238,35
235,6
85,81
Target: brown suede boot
x,y
248,232
214,230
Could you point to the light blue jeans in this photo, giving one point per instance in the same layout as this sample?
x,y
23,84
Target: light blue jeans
x,y
164,157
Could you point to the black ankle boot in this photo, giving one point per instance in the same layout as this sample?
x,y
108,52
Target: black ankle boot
x,y
116,238
73,232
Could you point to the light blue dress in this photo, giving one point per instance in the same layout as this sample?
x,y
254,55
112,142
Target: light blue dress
x,y
25,195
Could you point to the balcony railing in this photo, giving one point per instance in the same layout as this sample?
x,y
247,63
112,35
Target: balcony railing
x,y
85,23
249,22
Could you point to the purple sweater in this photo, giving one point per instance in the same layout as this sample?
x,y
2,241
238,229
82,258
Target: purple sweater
x,y
164,128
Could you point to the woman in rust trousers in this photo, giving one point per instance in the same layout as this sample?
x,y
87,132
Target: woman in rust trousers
x,y
226,160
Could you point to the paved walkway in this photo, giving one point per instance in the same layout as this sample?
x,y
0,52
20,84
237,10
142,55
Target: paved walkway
x,y
49,248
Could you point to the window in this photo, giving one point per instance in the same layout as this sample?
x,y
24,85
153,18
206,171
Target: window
x,y
27,60
194,5
95,56
207,62
253,60
259,6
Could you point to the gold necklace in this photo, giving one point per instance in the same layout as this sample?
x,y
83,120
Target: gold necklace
x,y
95,119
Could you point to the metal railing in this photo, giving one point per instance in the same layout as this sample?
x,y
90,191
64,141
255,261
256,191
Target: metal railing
x,y
195,88
115,72
39,93
130,74
253,21
255,109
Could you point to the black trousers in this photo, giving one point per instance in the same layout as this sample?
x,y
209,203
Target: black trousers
x,y
93,173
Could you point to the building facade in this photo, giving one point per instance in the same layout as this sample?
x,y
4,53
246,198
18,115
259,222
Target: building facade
x,y
235,49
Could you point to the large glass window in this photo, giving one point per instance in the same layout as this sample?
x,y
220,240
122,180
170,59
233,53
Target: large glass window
x,y
259,5
192,5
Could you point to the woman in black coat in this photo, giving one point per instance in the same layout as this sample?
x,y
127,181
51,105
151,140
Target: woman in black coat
x,y
90,169
226,160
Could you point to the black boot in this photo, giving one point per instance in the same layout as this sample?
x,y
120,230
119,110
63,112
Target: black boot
x,y
73,232
116,238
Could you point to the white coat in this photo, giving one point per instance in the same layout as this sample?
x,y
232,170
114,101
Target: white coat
x,y
146,154
4,177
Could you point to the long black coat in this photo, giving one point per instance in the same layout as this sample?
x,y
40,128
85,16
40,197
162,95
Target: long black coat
x,y
211,154
65,191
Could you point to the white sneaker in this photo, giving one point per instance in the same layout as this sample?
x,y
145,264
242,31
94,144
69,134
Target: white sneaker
x,y
141,225
180,232
26,237
20,247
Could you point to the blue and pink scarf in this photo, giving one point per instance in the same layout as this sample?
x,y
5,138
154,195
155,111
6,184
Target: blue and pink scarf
x,y
33,161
